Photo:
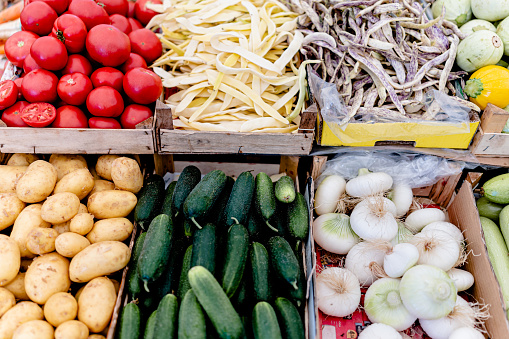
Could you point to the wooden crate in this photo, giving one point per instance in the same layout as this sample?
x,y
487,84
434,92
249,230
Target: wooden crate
x,y
489,140
173,141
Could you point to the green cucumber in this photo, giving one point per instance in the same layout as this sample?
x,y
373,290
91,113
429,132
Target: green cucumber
x,y
156,249
191,324
218,218
200,201
241,298
188,228
150,200
237,248
298,217
264,198
497,189
489,209
248,326
169,280
168,199
188,179
254,225
498,254
150,326
298,296
265,325
289,319
285,190
130,321
240,199
148,302
283,260
280,221
204,248
184,281
216,304
166,319
259,260
134,283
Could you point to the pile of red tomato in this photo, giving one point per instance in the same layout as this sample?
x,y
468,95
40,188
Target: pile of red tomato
x,y
84,65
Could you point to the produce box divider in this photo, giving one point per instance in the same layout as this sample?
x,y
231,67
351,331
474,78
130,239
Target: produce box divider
x,y
489,140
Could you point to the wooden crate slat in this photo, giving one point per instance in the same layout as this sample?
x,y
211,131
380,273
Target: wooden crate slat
x,y
492,144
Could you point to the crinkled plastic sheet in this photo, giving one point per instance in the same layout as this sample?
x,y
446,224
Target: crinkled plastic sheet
x,y
416,170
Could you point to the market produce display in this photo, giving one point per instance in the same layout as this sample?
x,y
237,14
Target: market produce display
x,y
84,65
219,258
63,233
400,254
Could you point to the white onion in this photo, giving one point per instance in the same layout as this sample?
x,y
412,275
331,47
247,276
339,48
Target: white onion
x,y
461,316
447,227
425,216
373,219
368,184
437,248
466,333
463,279
379,331
402,196
365,258
333,233
328,193
382,304
400,259
404,234
427,292
338,292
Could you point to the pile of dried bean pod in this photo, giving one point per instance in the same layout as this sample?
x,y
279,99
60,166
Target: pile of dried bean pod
x,y
383,55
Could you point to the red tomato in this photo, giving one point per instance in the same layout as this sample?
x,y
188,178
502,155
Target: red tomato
x,y
38,17
121,23
107,76
58,6
134,61
90,12
115,6
12,115
39,114
135,24
142,86
109,123
107,45
142,13
29,65
40,85
146,43
134,114
49,53
130,10
17,47
105,101
71,30
8,93
70,117
18,83
74,88
77,63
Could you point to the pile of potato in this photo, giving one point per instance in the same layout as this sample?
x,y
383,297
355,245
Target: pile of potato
x,y
68,226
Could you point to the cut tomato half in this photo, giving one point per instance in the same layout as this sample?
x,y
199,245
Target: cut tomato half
x,y
39,114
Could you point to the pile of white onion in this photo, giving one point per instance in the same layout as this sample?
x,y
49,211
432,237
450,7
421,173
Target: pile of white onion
x,y
406,259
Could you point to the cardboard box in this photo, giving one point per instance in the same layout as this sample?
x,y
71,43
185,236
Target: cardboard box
x,y
489,140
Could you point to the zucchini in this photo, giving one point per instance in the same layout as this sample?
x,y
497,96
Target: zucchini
x,y
184,281
259,260
289,319
169,280
504,224
265,325
191,323
239,203
497,189
283,260
498,254
130,321
285,190
156,249
150,200
134,283
166,319
188,179
298,217
489,209
200,201
216,304
150,326
264,198
237,248
204,248
168,199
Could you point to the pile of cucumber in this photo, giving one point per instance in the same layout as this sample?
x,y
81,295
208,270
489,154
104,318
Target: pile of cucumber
x,y
220,258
